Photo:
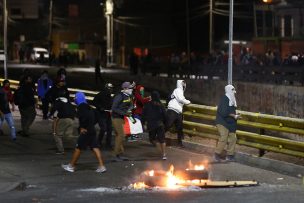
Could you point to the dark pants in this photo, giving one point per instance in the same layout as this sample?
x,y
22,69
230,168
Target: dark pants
x,y
45,107
176,119
157,134
28,115
105,124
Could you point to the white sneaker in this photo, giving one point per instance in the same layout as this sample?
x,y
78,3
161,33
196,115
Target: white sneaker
x,y
101,169
164,157
68,167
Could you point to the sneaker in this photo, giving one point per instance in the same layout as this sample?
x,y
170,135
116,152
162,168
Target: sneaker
x,y
101,169
117,159
230,158
164,157
68,167
217,157
59,152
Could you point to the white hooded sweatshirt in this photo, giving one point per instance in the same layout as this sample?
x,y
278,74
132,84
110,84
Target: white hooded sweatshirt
x,y
230,93
178,99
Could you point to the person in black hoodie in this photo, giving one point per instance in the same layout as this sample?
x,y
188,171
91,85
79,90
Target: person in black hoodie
x,y
87,134
154,114
26,104
103,102
64,120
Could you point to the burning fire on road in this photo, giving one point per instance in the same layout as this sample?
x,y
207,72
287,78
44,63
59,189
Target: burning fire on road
x,y
194,175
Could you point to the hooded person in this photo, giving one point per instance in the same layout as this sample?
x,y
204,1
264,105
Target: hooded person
x,y
139,100
44,83
87,134
226,123
103,103
154,114
122,106
175,110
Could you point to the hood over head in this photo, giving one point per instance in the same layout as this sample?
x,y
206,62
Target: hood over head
x,y
181,84
80,98
155,96
230,93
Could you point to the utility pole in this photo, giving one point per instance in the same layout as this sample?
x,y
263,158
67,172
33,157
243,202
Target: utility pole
x,y
5,37
211,26
50,31
230,59
109,16
188,30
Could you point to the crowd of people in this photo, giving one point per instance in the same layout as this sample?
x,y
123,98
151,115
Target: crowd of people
x,y
109,111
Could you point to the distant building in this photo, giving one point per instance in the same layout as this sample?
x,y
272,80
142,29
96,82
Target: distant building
x,y
279,27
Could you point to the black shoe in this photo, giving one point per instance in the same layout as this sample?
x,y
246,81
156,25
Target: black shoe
x,y
1,133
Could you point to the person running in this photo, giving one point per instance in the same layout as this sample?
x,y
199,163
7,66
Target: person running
x,y
103,103
154,114
6,97
87,134
175,110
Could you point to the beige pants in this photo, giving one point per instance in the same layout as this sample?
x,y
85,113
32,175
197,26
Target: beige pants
x,y
226,138
118,124
65,127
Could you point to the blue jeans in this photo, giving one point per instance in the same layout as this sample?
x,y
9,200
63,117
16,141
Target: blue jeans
x,y
10,121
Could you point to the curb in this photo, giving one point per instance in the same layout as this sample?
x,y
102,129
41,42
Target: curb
x,y
250,160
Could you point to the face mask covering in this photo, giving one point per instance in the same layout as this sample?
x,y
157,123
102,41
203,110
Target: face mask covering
x,y
142,92
128,91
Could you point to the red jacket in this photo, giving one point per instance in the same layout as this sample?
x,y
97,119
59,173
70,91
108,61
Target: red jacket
x,y
139,101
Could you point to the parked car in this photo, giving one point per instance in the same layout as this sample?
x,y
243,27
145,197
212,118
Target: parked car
x,y
39,55
2,55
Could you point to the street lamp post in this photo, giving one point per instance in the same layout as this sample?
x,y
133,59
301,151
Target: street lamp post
x,y
50,30
5,38
109,16
230,59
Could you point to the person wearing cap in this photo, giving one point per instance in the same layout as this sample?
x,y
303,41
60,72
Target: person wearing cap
x,y
175,110
6,97
87,134
226,123
44,83
122,106
103,103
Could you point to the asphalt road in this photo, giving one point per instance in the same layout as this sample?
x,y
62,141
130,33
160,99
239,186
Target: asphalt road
x,y
32,161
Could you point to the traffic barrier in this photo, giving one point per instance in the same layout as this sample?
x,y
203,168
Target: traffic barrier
x,y
199,121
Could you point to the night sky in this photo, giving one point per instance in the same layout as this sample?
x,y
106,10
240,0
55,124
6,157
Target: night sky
x,y
168,17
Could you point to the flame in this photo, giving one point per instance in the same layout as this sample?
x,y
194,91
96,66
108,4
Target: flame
x,y
139,185
169,179
200,167
151,173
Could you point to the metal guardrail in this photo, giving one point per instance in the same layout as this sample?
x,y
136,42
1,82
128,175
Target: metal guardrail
x,y
198,117
199,121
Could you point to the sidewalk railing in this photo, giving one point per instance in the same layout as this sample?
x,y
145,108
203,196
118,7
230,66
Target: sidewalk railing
x,y
260,131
